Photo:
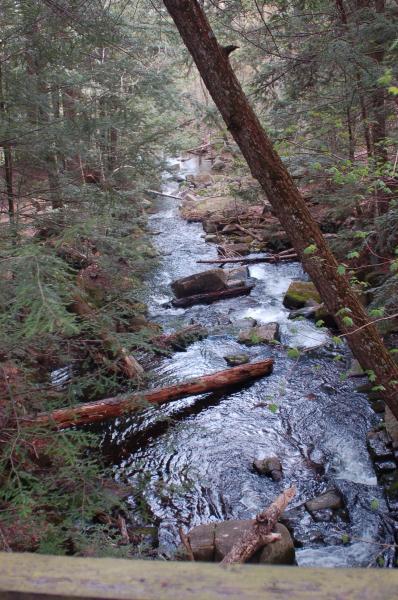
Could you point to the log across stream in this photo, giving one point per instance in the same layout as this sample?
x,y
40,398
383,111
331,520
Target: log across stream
x,y
190,462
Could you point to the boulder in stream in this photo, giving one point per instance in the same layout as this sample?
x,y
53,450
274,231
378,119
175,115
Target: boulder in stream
x,y
261,334
212,542
299,293
329,499
237,359
270,466
213,280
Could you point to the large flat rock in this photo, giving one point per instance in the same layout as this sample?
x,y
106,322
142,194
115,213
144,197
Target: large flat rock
x,y
204,282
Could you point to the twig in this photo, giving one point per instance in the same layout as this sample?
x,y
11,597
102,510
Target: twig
x,y
187,544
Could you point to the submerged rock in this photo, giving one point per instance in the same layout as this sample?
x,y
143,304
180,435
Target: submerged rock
x,y
237,359
261,334
270,466
299,293
330,499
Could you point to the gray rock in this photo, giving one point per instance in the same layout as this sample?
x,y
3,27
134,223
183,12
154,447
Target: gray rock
x,y
213,541
355,369
202,540
211,237
245,323
210,226
237,277
218,165
281,552
237,359
308,312
330,499
213,280
270,466
377,445
387,466
261,334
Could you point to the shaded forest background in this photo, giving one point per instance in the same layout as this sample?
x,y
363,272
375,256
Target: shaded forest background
x,y
95,95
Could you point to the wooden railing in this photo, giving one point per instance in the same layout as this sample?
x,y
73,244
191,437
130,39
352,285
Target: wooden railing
x,y
38,577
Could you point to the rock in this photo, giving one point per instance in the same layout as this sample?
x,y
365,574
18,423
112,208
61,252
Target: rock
x,y
231,228
202,540
355,369
377,442
270,466
200,179
299,293
237,359
245,323
261,334
210,226
211,237
281,552
213,541
228,533
323,515
218,165
213,280
237,277
330,499
387,466
308,312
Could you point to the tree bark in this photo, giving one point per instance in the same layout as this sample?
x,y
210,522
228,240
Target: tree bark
x,y
120,405
260,532
287,202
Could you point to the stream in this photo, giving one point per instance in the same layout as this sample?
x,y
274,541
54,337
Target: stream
x,y
192,459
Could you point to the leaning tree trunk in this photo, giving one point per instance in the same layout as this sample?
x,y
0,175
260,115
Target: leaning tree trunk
x,y
287,202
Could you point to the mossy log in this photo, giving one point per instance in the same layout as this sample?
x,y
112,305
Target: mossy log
x,y
110,408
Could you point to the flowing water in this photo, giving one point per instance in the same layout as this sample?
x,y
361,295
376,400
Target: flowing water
x,y
192,459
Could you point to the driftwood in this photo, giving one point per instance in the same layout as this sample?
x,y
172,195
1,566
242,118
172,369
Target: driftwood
x,y
253,235
274,258
212,296
260,533
109,408
157,193
180,339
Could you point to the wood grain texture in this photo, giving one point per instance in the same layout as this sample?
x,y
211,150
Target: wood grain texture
x,y
33,576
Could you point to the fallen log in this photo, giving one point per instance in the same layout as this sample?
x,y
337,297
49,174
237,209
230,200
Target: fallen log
x,y
247,232
180,339
212,296
260,533
250,261
109,408
157,193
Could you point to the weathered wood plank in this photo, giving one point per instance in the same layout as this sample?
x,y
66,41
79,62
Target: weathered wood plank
x,y
33,576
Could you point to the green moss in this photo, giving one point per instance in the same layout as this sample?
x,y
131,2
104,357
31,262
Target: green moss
x,y
299,293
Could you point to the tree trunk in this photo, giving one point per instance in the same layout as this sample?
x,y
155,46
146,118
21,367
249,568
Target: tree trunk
x,y
120,405
8,172
287,202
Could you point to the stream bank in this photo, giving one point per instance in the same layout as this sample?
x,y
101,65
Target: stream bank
x,y
192,461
